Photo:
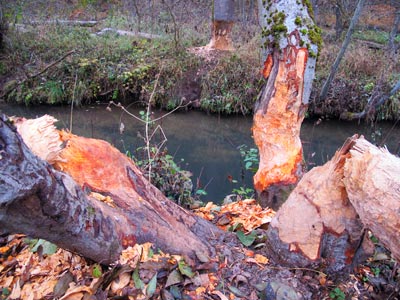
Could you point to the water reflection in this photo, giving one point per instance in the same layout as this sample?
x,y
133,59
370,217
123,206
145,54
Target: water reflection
x,y
207,144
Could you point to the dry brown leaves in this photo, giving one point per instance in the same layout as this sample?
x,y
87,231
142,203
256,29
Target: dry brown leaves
x,y
66,276
246,212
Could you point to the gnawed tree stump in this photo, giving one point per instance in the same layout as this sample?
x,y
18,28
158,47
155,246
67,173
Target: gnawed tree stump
x,y
40,201
222,24
290,47
319,224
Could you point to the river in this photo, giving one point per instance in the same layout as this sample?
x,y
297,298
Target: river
x,y
207,143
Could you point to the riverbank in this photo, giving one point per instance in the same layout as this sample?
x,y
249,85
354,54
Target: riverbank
x,y
59,63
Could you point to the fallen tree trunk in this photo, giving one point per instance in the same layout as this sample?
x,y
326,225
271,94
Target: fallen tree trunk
x,y
42,202
81,23
324,219
127,33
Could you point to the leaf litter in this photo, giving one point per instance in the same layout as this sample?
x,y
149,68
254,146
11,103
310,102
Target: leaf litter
x,y
35,269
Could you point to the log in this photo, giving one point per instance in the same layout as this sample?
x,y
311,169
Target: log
x,y
40,201
128,33
325,218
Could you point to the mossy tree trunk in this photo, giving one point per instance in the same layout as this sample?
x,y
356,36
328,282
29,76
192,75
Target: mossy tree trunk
x,y
290,47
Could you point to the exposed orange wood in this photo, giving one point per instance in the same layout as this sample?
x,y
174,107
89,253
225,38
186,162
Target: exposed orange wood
x,y
96,164
276,129
221,36
143,213
267,66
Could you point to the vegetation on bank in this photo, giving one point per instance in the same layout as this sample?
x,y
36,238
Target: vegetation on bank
x,y
58,64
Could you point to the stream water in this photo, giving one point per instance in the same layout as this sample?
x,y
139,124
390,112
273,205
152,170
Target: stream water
x,y
208,144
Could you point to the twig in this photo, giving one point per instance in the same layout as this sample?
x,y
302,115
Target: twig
x,y
72,103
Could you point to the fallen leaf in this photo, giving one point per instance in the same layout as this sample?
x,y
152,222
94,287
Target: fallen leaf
x,y
174,277
122,281
261,259
185,269
151,287
248,239
62,285
77,293
16,291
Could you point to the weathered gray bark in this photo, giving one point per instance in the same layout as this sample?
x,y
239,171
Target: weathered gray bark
x,y
346,42
40,201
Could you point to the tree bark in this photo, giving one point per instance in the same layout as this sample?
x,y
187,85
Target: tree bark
x,y
324,219
40,201
291,43
222,24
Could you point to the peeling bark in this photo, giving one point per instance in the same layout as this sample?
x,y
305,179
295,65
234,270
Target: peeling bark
x,y
42,202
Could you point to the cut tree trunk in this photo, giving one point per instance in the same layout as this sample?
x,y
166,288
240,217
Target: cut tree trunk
x,y
291,43
324,219
40,201
222,24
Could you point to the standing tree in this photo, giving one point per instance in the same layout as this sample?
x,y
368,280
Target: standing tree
x,y
222,23
392,45
290,49
346,42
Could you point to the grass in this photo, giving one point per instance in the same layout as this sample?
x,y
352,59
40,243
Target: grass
x,y
377,36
